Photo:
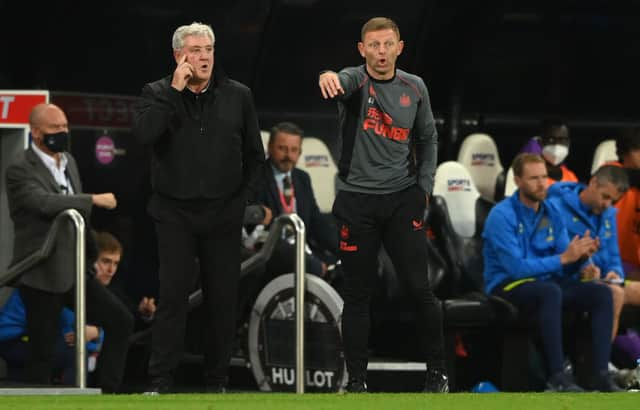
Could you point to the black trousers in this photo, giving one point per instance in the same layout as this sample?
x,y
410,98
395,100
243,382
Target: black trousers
x,y
210,231
364,222
102,309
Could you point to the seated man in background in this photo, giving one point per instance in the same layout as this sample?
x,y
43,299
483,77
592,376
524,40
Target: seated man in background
x,y
588,208
628,217
528,260
106,265
553,145
285,189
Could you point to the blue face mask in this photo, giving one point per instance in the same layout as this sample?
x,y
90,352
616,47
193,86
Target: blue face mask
x,y
57,142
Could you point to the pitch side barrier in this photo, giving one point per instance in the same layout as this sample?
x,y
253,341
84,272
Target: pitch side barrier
x,y
51,244
267,332
261,257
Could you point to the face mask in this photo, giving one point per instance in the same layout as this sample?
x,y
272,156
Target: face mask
x,y
57,142
555,154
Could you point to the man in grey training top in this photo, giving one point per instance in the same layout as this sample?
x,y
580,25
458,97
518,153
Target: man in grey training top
x,y
386,167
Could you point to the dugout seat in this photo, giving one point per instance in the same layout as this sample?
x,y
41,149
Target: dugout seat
x,y
317,161
479,154
509,183
265,140
605,152
457,218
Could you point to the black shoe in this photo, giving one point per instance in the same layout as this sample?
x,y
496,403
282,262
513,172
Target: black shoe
x,y
563,383
436,382
356,386
159,385
604,383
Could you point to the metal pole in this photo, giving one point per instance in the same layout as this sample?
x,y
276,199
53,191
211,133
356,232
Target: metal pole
x,y
298,224
81,346
299,283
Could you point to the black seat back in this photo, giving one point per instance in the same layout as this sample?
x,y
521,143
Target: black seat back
x,y
459,240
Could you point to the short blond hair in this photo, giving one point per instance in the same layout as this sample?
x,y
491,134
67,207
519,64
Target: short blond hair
x,y
522,159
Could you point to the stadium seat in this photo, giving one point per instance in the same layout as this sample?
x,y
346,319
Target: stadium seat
x,y
265,140
479,154
509,183
605,152
317,161
457,217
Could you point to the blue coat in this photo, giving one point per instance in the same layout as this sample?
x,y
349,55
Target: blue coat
x,y
13,318
13,322
577,219
520,243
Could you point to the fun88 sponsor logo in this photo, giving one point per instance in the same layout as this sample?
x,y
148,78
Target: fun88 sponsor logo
x,y
458,185
483,159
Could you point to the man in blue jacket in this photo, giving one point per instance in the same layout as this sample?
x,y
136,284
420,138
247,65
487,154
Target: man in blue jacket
x,y
589,207
528,261
14,338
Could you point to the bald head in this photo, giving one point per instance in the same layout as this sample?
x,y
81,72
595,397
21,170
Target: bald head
x,y
41,112
46,119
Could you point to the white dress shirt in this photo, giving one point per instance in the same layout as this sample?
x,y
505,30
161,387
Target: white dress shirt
x,y
57,172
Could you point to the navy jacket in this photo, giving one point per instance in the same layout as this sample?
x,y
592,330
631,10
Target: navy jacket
x,y
320,232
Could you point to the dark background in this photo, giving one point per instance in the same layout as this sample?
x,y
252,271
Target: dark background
x,y
492,66
495,64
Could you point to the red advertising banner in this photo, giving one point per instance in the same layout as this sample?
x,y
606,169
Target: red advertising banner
x,y
96,110
15,105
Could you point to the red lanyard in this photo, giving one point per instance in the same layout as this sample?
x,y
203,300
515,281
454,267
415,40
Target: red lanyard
x,y
288,209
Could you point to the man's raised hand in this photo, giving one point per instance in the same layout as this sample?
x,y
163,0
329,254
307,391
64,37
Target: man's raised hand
x,y
330,85
182,74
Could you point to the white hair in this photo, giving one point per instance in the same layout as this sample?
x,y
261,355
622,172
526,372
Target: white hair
x,y
193,29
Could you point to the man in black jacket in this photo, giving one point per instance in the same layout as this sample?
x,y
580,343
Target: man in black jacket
x,y
206,151
287,189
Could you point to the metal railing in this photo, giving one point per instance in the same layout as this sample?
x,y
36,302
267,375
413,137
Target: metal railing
x,y
81,320
262,256
43,253
299,227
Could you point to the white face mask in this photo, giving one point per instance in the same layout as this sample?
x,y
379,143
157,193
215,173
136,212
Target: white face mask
x,y
555,154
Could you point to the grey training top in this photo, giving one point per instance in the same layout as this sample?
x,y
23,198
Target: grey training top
x,y
388,135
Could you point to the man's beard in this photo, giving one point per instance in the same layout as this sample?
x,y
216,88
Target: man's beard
x,y
535,196
285,165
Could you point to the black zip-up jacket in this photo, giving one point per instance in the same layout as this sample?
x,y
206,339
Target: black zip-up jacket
x,y
204,146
